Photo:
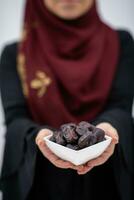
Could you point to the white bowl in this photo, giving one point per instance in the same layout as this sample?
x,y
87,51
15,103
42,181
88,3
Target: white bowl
x,y
80,156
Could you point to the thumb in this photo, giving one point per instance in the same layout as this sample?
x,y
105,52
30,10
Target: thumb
x,y
110,131
43,133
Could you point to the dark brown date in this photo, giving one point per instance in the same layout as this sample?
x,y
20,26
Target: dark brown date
x,y
99,133
70,136
78,136
84,140
59,138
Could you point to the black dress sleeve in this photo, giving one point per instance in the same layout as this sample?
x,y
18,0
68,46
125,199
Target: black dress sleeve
x,y
20,148
118,110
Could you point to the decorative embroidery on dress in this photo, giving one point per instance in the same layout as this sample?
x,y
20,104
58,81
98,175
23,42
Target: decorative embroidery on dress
x,y
22,73
40,83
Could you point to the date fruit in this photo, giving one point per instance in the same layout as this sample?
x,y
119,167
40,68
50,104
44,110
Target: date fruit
x,y
79,136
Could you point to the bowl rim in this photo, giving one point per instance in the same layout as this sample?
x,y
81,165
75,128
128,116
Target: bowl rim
x,y
46,139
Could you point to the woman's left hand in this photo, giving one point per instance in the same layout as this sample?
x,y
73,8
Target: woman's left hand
x,y
110,131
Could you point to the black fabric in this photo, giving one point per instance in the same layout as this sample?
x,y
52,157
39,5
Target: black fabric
x,y
26,174
20,148
67,184
118,108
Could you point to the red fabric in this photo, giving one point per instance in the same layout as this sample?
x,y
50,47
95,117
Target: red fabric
x,y
79,56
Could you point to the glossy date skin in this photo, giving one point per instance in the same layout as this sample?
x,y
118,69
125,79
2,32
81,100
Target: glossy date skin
x,y
78,136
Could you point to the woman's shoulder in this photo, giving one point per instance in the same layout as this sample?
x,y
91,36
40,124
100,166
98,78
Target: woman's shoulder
x,y
126,50
124,78
10,50
8,58
126,39
125,34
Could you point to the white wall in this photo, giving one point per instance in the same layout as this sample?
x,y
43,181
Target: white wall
x,y
10,20
118,13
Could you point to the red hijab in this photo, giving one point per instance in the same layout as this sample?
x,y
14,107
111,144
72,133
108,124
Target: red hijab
x,y
66,66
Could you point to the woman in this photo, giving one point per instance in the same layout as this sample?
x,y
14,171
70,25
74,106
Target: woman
x,y
68,67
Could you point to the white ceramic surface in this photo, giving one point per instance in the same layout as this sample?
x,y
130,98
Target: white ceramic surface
x,y
80,156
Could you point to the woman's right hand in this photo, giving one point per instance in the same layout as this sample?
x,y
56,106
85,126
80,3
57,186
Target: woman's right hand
x,y
50,155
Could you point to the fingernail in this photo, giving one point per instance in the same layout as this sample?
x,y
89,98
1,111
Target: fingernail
x,y
40,143
115,140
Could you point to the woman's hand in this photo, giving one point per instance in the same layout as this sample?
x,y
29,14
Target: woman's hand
x,y
51,156
82,169
110,131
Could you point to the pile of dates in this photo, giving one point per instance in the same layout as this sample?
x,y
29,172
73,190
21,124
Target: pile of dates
x,y
78,136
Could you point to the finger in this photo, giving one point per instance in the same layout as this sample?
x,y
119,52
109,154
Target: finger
x,y
69,164
78,168
42,134
100,160
115,137
115,140
85,167
45,150
110,131
65,164
52,157
103,158
111,146
85,170
62,164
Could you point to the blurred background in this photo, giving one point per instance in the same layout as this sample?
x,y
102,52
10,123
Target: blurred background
x,y
119,14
